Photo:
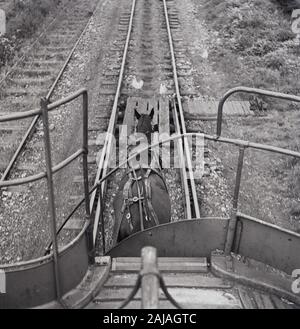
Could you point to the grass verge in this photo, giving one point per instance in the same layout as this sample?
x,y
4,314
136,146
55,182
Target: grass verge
x,y
254,46
23,19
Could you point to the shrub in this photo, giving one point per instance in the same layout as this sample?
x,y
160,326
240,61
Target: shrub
x,y
243,42
28,15
275,60
283,35
261,48
22,22
7,47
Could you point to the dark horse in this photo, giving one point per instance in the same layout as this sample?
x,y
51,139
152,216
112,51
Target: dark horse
x,y
142,200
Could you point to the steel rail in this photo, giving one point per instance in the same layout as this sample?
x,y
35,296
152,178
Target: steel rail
x,y
183,171
106,150
33,123
178,96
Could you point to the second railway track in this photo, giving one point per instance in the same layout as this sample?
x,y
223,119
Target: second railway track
x,y
36,74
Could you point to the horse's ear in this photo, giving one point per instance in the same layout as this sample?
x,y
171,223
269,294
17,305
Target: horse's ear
x,y
137,115
155,127
151,114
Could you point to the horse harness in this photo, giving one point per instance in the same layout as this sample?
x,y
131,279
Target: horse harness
x,y
143,198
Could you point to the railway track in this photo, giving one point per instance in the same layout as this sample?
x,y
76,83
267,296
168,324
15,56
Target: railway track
x,y
199,282
159,66
36,74
138,53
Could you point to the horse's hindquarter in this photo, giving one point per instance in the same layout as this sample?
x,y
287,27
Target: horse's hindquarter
x,y
160,198
118,205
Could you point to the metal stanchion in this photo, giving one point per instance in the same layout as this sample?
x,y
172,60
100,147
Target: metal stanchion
x,y
44,109
233,217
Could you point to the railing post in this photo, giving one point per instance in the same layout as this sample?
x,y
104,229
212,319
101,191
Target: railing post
x,y
220,116
85,154
89,231
102,222
233,216
150,281
44,109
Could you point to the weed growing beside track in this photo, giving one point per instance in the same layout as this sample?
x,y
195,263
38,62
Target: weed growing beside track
x,y
257,43
253,45
23,19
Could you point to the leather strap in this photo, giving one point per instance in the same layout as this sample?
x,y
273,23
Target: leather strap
x,y
144,199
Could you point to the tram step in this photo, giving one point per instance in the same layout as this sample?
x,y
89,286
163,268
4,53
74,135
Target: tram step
x,y
193,264
255,274
254,299
174,280
187,298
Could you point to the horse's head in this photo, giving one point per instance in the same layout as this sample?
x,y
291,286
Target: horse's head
x,y
144,125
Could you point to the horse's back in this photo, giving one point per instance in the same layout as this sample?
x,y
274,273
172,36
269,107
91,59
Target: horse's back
x,y
157,200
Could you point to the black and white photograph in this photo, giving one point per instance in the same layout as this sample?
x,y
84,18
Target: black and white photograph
x,y
149,157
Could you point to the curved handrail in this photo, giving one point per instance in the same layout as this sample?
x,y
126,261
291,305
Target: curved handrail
x,y
236,142
240,143
248,90
43,112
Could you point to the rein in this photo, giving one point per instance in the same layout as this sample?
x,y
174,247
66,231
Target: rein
x,y
140,200
143,190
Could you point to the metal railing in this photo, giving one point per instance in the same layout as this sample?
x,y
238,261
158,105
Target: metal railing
x,y
243,145
46,108
50,170
247,90
150,274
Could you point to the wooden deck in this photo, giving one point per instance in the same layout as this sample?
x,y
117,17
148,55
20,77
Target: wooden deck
x,y
207,110
144,106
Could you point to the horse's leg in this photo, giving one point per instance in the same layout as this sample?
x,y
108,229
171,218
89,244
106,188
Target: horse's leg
x,y
118,215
